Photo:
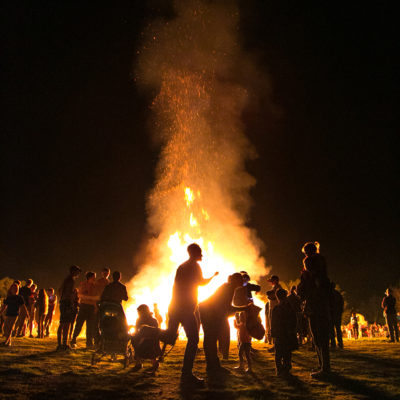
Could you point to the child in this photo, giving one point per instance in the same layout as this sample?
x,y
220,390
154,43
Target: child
x,y
12,304
244,340
147,348
283,330
42,305
354,325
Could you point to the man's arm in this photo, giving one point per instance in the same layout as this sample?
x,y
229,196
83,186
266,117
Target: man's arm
x,y
205,281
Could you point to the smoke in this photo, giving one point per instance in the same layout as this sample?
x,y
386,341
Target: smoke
x,y
203,80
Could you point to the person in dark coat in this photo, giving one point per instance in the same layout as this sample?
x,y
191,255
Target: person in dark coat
x,y
295,301
283,330
337,305
213,312
389,309
314,290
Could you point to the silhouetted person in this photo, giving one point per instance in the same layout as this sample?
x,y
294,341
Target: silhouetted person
x,y
213,311
13,304
183,307
389,309
295,301
66,294
87,310
42,305
354,325
31,308
25,292
272,299
101,283
115,292
50,311
337,305
283,330
314,289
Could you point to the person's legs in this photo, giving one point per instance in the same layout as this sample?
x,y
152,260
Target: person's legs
x,y
224,339
278,357
287,360
320,332
190,325
90,326
211,330
8,328
241,359
20,321
247,352
80,320
338,328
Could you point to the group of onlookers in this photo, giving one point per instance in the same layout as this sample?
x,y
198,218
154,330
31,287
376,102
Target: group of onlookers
x,y
312,310
26,307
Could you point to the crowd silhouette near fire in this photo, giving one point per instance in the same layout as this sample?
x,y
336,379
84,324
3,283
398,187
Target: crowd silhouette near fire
x,y
310,314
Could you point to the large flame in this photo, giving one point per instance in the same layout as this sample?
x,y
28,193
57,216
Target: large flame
x,y
202,189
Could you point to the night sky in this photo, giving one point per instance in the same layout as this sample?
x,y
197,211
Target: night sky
x,y
77,160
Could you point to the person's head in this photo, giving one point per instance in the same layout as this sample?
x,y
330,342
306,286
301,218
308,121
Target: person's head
x,y
281,295
388,292
235,280
42,294
293,289
90,276
17,282
333,285
33,288
29,282
195,252
274,280
143,310
353,314
74,271
50,291
116,276
155,306
105,272
246,277
310,248
14,289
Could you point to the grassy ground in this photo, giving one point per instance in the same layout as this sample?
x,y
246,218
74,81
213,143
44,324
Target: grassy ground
x,y
31,369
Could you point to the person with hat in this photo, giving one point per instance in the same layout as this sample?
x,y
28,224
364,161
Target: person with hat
x,y
66,294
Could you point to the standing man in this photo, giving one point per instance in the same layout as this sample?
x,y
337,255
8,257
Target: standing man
x,y
25,292
66,294
314,289
337,305
101,283
87,310
389,309
183,307
273,301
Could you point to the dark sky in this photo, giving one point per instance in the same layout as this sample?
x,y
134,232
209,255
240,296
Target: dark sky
x,y
77,160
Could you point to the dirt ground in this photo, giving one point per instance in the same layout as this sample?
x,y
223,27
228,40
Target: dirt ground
x,y
32,369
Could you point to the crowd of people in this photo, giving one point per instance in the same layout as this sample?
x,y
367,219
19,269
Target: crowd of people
x,y
309,313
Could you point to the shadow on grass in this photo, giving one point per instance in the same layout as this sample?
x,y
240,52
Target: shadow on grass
x,y
384,363
356,386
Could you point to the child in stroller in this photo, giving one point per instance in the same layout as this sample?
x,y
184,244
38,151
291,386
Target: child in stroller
x,y
146,339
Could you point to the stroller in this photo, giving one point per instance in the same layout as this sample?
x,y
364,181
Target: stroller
x,y
114,337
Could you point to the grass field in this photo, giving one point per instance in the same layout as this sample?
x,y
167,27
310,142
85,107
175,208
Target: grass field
x,y
31,369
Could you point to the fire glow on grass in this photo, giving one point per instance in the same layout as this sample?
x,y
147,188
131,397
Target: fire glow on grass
x,y
202,79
